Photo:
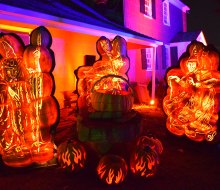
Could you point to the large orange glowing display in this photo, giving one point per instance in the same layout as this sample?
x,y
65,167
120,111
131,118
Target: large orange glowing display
x,y
107,79
191,101
27,107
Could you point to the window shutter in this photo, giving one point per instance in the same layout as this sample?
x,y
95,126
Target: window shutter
x,y
157,63
153,9
174,56
142,7
164,65
143,59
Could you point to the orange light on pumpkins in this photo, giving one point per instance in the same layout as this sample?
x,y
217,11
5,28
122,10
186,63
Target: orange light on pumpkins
x,y
191,102
23,102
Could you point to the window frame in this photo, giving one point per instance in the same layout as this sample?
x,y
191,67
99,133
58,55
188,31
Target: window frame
x,y
166,13
147,58
151,6
148,10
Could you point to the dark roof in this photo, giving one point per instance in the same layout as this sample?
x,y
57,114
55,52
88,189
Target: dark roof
x,y
185,36
72,10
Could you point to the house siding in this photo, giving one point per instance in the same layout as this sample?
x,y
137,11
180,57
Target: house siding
x,y
153,27
135,20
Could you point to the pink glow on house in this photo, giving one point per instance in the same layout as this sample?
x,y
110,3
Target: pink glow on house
x,y
155,40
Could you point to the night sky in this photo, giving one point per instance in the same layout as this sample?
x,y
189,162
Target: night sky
x,y
205,15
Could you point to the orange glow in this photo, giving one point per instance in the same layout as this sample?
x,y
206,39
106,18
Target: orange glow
x,y
152,102
77,155
66,159
191,102
15,28
110,176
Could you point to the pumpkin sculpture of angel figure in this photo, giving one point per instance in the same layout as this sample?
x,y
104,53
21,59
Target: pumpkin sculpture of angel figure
x,y
191,101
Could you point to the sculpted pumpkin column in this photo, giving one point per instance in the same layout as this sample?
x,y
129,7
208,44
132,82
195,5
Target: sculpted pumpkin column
x,y
38,61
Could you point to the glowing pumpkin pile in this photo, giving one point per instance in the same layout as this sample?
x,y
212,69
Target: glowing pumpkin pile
x,y
144,159
191,103
27,106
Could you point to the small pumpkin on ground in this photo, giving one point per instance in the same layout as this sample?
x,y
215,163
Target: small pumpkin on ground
x,y
71,155
112,169
144,161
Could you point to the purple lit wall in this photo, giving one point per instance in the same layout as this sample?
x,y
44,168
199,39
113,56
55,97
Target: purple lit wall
x,y
154,28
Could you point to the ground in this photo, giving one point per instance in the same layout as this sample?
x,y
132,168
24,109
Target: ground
x,y
184,164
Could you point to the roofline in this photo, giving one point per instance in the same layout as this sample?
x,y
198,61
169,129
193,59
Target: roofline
x,y
17,14
180,5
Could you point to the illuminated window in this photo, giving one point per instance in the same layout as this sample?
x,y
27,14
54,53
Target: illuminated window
x,y
147,58
166,14
147,7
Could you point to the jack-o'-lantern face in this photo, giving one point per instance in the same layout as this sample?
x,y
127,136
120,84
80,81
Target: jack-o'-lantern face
x,y
71,155
191,65
112,169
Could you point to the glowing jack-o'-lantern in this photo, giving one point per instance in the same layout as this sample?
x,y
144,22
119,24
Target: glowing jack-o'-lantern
x,y
71,155
112,169
144,161
191,102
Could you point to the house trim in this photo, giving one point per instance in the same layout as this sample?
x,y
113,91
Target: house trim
x,y
180,5
17,14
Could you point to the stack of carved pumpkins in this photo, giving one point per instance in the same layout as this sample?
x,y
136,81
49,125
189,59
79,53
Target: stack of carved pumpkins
x,y
39,62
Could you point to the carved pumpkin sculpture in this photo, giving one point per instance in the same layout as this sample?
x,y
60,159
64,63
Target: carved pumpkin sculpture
x,y
113,61
71,155
28,108
112,169
191,103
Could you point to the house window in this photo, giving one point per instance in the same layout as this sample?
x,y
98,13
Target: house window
x,y
147,58
166,13
147,7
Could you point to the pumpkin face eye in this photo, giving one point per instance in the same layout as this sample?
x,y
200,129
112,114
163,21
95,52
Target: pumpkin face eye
x,y
71,156
112,169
